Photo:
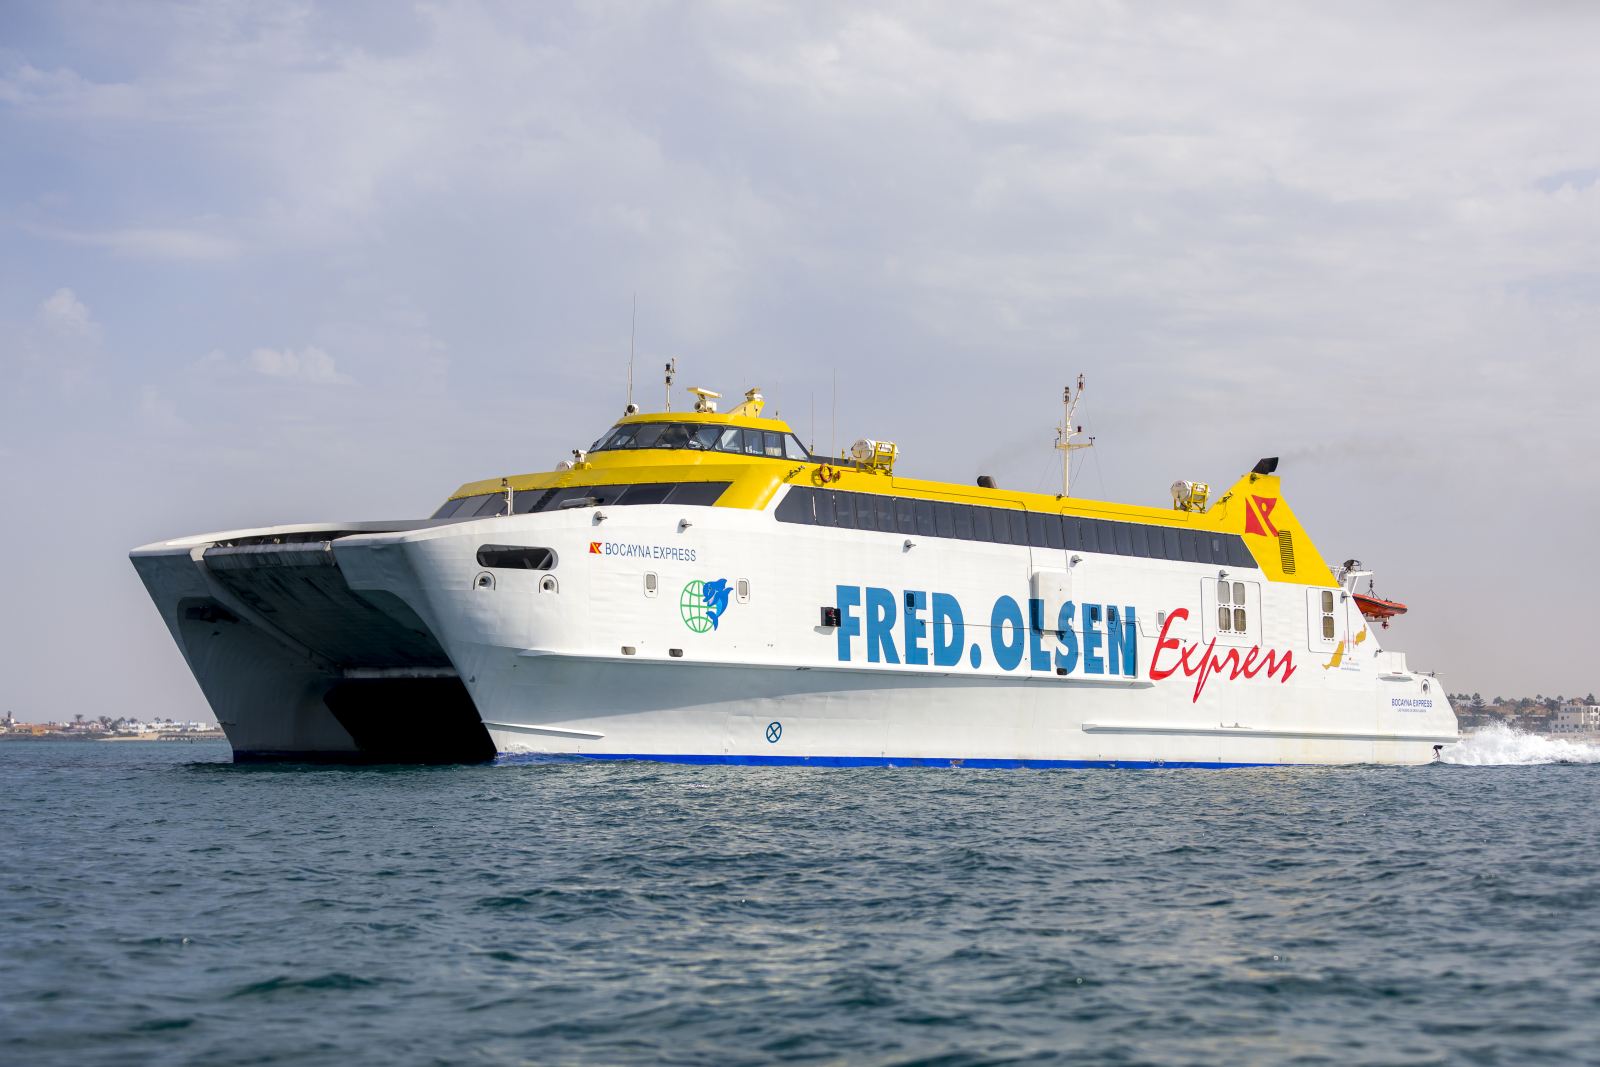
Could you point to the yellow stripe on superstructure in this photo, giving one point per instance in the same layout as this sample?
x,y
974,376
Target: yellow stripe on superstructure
x,y
755,480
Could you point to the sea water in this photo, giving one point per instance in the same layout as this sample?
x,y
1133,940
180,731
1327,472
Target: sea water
x,y
160,905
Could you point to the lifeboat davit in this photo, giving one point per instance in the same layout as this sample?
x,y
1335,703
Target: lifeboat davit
x,y
1375,607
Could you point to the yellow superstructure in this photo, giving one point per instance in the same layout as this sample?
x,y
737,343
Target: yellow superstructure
x,y
1253,508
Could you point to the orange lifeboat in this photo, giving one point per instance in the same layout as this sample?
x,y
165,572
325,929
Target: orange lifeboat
x,y
1375,607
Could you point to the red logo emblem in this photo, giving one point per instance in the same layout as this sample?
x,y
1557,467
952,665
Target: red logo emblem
x,y
594,548
1258,518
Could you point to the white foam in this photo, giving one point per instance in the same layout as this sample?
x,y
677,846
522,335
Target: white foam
x,y
1499,745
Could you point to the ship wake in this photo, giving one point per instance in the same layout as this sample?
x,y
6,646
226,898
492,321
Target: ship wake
x,y
1500,745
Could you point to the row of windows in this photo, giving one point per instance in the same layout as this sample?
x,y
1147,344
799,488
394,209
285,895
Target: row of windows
x,y
703,437
1007,526
486,505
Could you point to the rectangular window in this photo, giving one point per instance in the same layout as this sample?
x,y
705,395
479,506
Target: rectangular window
x,y
1231,615
925,525
796,506
648,435
944,519
1238,553
793,449
824,508
844,511
753,444
885,508
1141,539
1124,535
774,443
704,438
697,493
905,516
1036,534
1002,526
1052,532
645,493
963,521
1019,528
532,500
731,440
1089,529
618,438
495,504
983,524
866,512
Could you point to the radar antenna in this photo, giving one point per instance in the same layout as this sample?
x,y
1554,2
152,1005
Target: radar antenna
x,y
1066,432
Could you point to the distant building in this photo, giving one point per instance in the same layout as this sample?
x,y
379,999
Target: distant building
x,y
1576,719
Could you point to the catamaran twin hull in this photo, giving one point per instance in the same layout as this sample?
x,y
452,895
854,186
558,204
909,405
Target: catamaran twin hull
x,y
875,622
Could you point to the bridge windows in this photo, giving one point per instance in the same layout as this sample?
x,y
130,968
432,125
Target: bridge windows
x,y
704,437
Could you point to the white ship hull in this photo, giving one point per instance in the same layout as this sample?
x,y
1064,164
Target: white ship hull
x,y
392,641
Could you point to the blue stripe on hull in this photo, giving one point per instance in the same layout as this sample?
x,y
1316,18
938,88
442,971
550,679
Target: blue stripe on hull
x,y
872,761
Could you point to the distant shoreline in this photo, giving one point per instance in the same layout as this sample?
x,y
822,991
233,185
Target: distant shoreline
x,y
187,735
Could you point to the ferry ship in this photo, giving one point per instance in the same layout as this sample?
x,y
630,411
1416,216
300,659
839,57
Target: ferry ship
x,y
698,587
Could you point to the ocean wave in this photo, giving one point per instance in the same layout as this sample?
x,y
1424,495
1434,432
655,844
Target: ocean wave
x,y
1500,745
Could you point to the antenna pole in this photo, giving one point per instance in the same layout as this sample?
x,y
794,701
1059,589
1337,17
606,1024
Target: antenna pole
x,y
633,330
833,447
672,368
1066,432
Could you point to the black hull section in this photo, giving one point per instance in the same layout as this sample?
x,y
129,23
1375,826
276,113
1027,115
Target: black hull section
x,y
411,720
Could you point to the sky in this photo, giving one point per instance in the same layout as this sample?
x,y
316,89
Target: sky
x,y
291,262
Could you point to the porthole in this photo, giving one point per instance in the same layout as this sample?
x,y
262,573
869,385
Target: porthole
x,y
484,580
548,584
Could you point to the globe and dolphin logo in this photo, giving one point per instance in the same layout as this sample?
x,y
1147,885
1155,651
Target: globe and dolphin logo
x,y
702,603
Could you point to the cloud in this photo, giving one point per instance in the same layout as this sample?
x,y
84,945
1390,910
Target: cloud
x,y
310,364
64,315
59,348
174,243
158,411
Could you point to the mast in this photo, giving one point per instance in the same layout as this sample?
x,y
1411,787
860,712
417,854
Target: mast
x,y
1066,432
633,330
